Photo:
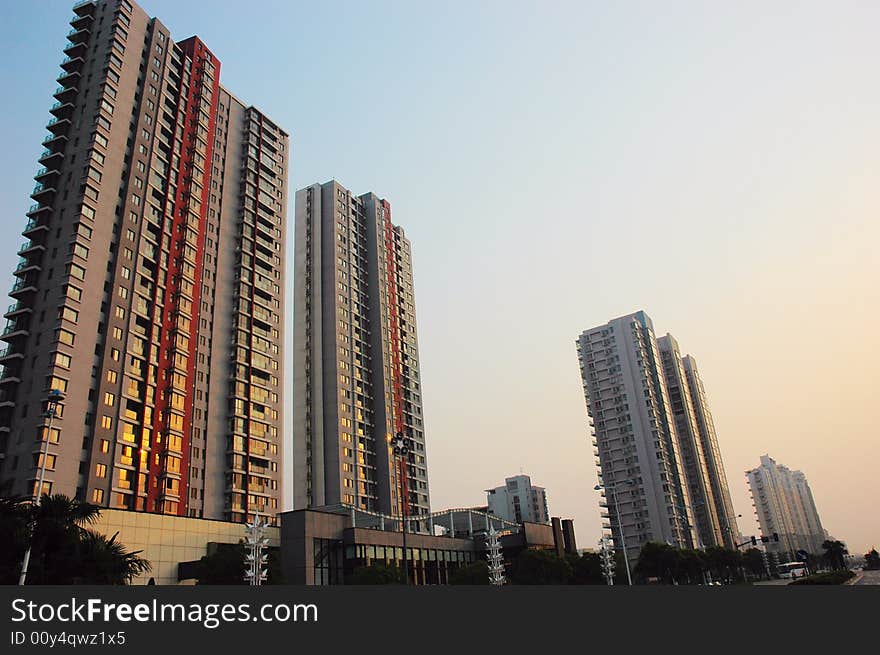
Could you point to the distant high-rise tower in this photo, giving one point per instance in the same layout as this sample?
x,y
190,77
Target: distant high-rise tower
x,y
634,434
356,361
518,500
784,505
150,289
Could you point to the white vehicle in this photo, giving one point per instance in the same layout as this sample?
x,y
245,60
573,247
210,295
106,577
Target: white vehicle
x,y
791,570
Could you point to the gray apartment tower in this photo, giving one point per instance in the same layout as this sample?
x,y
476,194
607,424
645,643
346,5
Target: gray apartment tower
x,y
356,378
519,500
784,504
150,287
634,435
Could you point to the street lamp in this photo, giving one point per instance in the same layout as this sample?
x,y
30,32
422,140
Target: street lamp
x,y
52,402
612,487
401,450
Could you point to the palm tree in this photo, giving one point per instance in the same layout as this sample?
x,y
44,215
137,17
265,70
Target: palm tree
x,y
63,549
105,561
834,553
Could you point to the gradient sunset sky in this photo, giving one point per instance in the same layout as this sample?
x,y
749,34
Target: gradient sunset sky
x,y
557,164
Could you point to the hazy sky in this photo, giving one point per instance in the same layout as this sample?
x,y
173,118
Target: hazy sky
x,y
559,164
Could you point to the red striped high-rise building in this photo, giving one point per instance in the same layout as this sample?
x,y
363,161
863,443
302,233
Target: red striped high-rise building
x,y
150,287
356,381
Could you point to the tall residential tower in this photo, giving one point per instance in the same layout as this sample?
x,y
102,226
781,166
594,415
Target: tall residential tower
x,y
356,360
634,435
150,287
784,504
720,491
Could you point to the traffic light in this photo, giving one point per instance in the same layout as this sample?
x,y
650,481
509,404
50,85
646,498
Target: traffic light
x,y
754,541
775,537
764,540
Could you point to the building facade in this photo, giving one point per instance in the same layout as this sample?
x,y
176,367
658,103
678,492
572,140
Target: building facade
x,y
696,469
356,378
150,289
634,435
717,476
784,505
518,500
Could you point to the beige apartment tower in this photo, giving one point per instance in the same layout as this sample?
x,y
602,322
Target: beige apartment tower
x,y
356,361
150,288
784,505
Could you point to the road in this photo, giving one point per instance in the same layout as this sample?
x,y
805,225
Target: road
x,y
869,578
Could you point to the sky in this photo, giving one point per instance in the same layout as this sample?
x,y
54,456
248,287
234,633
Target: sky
x,y
558,164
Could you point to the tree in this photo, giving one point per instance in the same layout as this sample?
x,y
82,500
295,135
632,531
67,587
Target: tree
x,y
872,560
658,560
225,565
724,562
587,569
753,560
835,552
377,573
63,550
540,567
475,573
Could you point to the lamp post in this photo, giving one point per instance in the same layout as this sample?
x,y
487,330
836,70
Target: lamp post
x,y
612,487
53,400
401,450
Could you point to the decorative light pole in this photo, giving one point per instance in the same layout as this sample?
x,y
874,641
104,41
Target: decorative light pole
x,y
401,452
612,487
606,555
255,559
496,559
52,402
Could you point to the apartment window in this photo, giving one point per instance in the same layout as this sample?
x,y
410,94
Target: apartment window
x,y
109,399
101,470
68,314
62,360
65,336
98,495
76,271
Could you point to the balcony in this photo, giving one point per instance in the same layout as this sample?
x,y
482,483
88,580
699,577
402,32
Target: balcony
x,y
26,266
51,158
9,354
58,125
66,93
55,141
13,330
22,288
47,175
17,309
85,8
43,193
70,64
9,377
35,228
77,48
79,35
82,22
61,109
69,78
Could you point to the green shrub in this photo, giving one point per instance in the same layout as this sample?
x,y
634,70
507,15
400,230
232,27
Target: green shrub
x,y
829,577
